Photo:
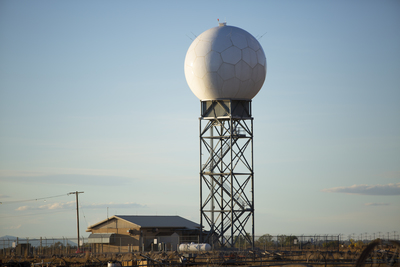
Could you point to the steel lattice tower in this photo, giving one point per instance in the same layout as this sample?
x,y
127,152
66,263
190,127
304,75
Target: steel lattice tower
x,y
225,67
226,171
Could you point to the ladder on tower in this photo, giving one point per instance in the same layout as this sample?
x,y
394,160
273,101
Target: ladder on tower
x,y
237,133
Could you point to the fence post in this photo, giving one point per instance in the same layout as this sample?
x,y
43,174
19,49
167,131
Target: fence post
x,y
315,246
301,241
265,244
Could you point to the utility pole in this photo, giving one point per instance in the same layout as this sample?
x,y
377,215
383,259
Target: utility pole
x,y
77,211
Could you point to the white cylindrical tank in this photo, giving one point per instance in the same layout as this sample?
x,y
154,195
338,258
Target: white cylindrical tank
x,y
193,247
225,62
113,264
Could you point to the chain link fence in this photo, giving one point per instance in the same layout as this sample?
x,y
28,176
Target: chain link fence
x,y
41,246
66,246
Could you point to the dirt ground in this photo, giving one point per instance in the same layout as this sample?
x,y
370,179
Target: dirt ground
x,y
344,257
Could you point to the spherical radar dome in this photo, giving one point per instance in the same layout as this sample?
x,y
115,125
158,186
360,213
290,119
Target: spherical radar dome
x,y
225,62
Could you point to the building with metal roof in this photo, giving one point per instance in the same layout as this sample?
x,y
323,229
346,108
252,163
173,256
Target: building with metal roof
x,y
128,233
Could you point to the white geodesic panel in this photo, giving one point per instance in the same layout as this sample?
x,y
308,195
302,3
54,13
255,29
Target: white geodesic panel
x,y
202,48
232,55
226,71
258,73
225,62
199,67
253,43
245,88
232,86
239,41
250,57
213,60
217,37
243,71
213,80
261,58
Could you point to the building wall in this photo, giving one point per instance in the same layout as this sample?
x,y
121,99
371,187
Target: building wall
x,y
119,243
137,239
122,241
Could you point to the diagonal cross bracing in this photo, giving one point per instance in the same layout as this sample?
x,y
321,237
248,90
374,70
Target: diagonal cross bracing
x,y
226,177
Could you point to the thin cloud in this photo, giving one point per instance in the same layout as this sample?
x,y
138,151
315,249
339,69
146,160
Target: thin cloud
x,y
71,205
127,205
57,205
377,204
51,206
13,227
364,189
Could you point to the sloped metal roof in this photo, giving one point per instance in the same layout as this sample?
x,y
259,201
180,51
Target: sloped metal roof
x,y
159,221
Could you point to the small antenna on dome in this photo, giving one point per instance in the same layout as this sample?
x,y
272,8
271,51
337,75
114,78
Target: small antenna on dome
x,y
195,36
258,38
221,23
189,37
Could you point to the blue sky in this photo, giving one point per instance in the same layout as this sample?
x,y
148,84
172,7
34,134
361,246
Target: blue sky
x,y
93,98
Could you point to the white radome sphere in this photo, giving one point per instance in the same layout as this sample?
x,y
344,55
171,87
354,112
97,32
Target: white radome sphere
x,y
225,62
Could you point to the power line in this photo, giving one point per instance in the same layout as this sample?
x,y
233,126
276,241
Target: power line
x,y
28,200
83,213
39,213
